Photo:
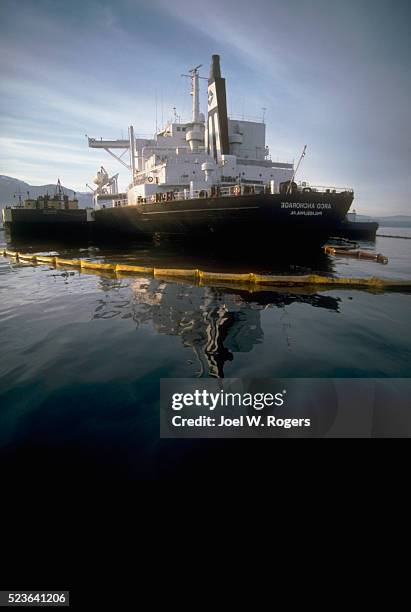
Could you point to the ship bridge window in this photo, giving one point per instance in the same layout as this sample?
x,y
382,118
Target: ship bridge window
x,y
178,129
183,129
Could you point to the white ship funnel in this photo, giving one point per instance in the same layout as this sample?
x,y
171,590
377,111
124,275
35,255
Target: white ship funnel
x,y
217,122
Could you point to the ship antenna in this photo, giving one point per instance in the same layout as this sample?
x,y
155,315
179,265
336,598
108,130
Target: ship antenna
x,y
156,112
296,169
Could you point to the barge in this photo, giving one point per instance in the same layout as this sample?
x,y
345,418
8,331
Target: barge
x,y
55,216
357,230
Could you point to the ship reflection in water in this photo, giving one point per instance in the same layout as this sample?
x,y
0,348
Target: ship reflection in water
x,y
216,323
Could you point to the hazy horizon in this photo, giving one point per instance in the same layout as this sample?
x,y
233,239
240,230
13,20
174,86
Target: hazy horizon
x,y
335,76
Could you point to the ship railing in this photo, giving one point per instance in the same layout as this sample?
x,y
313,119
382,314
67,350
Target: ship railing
x,y
210,192
324,189
218,191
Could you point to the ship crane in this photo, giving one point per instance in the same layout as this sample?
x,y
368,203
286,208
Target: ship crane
x,y
19,195
108,145
126,145
296,169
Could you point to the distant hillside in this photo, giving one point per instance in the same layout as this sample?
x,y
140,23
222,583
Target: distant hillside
x,y
390,221
10,186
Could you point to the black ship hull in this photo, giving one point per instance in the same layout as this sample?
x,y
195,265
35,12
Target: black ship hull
x,y
358,230
47,223
309,216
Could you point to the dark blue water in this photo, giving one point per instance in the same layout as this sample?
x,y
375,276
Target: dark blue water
x,y
82,354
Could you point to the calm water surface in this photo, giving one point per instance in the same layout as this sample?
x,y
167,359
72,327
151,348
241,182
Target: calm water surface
x,y
82,354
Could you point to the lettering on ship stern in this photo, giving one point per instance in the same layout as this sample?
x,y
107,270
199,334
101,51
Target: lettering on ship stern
x,y
306,208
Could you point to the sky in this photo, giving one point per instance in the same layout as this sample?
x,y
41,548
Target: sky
x,y
333,75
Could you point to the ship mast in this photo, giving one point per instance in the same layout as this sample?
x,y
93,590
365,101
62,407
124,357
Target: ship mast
x,y
195,135
195,91
132,152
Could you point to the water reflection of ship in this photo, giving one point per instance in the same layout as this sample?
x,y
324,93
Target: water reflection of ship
x,y
211,322
214,322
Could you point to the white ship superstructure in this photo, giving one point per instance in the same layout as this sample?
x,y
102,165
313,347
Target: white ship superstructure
x,y
184,159
212,178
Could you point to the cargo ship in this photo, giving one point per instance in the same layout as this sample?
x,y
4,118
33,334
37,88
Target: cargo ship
x,y
213,178
48,216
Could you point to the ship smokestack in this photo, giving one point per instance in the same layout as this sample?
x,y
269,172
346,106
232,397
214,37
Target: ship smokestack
x,y
215,70
217,121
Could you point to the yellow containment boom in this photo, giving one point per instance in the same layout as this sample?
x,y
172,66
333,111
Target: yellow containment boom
x,y
379,257
247,281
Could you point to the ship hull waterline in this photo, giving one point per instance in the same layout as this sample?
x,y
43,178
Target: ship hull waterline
x,y
306,216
